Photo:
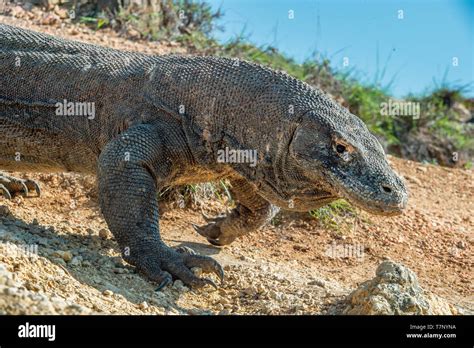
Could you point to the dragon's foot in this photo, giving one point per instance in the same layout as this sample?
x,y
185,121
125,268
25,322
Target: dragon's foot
x,y
214,231
165,264
10,186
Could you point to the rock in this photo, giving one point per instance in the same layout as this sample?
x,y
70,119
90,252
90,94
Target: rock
x,y
17,12
5,276
107,293
104,234
223,301
61,12
117,261
395,290
31,286
414,180
143,305
261,289
50,19
421,169
67,256
318,282
111,287
90,231
59,261
12,291
4,211
464,115
43,241
179,285
277,296
133,33
76,261
250,291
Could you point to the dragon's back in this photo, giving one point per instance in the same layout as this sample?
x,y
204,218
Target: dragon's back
x,y
61,101
71,98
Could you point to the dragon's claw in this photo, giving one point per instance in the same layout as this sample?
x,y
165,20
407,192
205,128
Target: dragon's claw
x,y
177,264
10,186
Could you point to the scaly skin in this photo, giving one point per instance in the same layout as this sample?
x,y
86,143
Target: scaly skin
x,y
163,120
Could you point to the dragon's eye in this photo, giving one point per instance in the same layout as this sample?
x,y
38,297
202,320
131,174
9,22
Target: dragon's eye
x,y
340,148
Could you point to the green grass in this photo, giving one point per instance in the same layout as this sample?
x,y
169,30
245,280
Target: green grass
x,y
334,214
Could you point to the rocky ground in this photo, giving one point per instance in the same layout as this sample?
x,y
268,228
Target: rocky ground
x,y
59,257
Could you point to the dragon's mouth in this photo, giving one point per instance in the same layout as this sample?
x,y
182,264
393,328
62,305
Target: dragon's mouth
x,y
305,200
315,196
370,198
377,206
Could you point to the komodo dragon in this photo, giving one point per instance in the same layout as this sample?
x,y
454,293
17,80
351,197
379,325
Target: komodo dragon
x,y
143,122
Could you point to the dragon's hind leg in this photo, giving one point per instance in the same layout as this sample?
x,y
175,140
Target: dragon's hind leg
x,y
11,186
251,213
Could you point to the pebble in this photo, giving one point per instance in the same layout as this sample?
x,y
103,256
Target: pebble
x,y
250,291
59,261
275,295
107,293
261,289
76,261
103,233
90,231
421,169
43,242
61,12
415,180
318,282
223,301
67,256
117,261
179,285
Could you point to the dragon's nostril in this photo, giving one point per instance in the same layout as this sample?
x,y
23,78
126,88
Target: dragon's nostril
x,y
386,189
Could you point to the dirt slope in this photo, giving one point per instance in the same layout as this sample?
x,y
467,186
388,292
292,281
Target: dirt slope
x,y
281,269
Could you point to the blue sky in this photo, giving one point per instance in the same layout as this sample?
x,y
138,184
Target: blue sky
x,y
416,50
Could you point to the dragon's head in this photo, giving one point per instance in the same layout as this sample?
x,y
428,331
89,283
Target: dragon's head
x,y
335,156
